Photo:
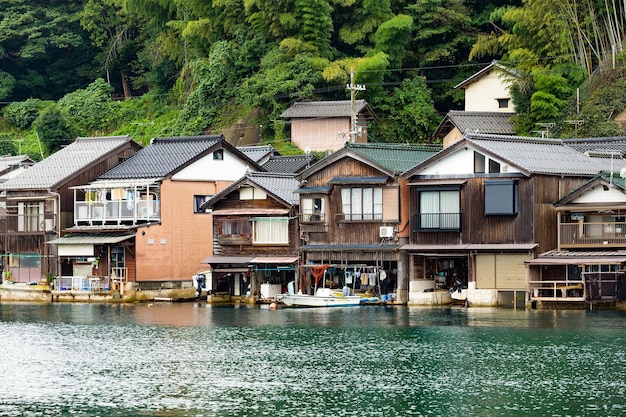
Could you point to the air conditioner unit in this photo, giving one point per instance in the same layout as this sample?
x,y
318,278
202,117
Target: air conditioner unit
x,y
386,231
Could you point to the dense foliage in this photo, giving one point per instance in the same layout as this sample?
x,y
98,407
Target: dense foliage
x,y
193,66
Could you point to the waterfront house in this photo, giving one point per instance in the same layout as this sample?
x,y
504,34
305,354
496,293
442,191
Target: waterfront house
x,y
141,222
483,207
39,202
327,125
352,217
589,263
255,236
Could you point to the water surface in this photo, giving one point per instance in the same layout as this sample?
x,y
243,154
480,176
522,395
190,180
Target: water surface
x,y
193,359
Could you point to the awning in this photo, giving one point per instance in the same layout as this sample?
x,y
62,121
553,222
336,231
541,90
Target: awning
x,y
313,190
227,260
439,182
609,260
472,247
274,260
358,180
344,248
90,239
248,212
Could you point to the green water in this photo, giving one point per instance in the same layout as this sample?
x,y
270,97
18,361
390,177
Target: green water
x,y
196,360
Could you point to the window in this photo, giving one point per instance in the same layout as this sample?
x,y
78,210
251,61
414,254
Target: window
x,y
233,227
501,198
479,163
503,103
198,201
271,230
439,210
251,193
218,155
24,260
313,209
30,216
362,204
494,167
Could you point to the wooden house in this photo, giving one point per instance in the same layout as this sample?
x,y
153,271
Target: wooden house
x,y
13,165
255,236
483,207
352,219
39,202
327,125
588,263
142,221
458,123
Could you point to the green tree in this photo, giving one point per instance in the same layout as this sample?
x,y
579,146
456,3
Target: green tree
x,y
22,114
89,109
43,48
409,115
52,129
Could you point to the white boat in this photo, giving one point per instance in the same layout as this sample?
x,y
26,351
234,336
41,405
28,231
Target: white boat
x,y
324,297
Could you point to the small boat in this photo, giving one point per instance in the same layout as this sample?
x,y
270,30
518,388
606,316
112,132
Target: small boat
x,y
324,297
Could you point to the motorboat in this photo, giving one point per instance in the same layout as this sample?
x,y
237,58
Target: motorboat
x,y
323,297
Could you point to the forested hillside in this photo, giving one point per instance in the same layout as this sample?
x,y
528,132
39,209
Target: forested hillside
x,y
177,67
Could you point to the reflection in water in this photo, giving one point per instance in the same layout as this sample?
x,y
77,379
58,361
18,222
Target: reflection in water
x,y
193,359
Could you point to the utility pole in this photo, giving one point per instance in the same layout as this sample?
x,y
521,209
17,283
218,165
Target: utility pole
x,y
353,89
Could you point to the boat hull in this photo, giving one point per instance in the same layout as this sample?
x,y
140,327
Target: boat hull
x,y
303,300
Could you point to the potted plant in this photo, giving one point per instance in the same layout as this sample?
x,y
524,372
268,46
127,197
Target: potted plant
x,y
7,277
49,278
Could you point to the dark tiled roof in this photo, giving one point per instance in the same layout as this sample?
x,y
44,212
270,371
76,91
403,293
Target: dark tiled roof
x,y
163,156
65,163
256,153
615,144
281,185
397,157
615,179
292,163
341,108
476,122
494,65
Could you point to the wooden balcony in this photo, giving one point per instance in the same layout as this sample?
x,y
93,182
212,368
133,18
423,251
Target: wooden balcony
x,y
592,235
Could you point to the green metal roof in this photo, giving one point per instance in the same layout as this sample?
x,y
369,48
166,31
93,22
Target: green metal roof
x,y
397,157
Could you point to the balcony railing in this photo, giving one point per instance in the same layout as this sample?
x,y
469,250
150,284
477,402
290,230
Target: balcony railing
x,y
116,212
565,290
435,222
589,235
312,217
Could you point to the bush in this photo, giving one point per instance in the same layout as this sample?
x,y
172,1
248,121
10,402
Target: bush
x,y
22,114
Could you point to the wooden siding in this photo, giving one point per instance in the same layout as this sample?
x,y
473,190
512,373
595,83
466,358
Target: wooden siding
x,y
350,232
246,248
534,223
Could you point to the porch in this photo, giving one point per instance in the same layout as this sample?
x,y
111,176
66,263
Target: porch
x,y
592,235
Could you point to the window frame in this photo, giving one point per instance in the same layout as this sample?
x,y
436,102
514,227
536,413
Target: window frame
x,y
313,214
356,200
269,236
198,201
438,218
495,195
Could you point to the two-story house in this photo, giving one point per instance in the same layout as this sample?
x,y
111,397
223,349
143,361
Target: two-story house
x,y
588,264
488,105
352,219
39,202
483,207
327,125
255,236
142,221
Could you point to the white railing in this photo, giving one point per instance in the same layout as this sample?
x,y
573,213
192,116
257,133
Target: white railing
x,y
116,211
83,283
564,290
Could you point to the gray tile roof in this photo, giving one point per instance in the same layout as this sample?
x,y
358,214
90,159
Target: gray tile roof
x,y
476,122
290,163
10,161
341,108
616,144
163,156
257,153
280,184
65,163
529,155
494,65
541,156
